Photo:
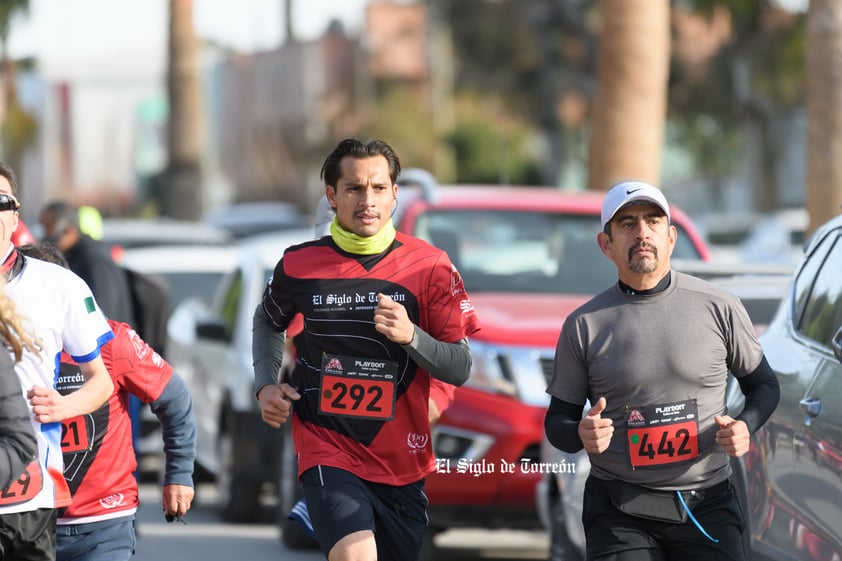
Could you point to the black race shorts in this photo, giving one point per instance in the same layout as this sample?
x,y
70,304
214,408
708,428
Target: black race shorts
x,y
612,535
28,536
340,503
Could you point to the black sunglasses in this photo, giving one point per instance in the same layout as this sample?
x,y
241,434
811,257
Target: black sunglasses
x,y
8,202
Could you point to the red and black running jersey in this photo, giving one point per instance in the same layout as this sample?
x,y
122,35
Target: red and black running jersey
x,y
97,448
336,293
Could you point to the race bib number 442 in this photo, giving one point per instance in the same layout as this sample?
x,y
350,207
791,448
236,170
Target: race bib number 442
x,y
663,434
358,387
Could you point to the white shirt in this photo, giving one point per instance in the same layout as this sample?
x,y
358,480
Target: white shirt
x,y
63,314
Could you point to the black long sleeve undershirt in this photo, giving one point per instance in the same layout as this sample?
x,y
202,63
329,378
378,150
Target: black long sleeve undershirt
x,y
562,425
761,389
763,392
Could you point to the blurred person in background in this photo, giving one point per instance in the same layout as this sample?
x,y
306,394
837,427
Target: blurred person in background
x,y
403,315
64,226
64,316
18,447
88,258
98,463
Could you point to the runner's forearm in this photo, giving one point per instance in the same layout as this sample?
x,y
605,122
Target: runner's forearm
x,y
448,362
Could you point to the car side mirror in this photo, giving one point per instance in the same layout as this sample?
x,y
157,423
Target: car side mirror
x,y
837,344
214,330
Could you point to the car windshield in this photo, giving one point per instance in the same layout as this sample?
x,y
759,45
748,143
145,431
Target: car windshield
x,y
526,251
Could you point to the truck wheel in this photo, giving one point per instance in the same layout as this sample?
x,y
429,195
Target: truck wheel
x,y
239,492
429,550
293,534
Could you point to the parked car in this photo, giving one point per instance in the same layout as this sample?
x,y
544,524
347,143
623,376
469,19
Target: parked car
x,y
761,288
792,477
249,219
191,273
776,237
528,257
210,346
121,234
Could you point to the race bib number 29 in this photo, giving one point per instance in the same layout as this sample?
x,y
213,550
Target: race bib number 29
x,y
358,387
25,487
663,434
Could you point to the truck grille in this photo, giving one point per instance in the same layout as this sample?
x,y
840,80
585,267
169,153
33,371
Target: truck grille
x,y
547,368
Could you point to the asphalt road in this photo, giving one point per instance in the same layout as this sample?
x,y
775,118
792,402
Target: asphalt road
x,y
205,537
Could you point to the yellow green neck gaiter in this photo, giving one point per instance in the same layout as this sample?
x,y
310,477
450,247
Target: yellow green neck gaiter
x,y
352,243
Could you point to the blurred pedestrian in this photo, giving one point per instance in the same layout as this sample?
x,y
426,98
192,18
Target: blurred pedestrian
x,y
88,258
64,316
65,228
383,311
18,447
652,354
98,458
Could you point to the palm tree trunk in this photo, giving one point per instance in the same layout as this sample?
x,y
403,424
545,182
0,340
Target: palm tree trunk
x,y
630,109
182,178
824,116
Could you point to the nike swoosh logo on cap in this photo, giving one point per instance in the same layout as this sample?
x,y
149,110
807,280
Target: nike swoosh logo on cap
x,y
630,191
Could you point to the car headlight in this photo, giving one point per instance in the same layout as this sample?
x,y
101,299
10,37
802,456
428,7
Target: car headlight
x,y
487,371
451,442
514,371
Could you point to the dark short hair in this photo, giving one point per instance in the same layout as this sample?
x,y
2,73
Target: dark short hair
x,y
64,214
44,252
359,149
7,172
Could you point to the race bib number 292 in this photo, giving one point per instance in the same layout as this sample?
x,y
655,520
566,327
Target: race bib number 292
x,y
358,387
661,434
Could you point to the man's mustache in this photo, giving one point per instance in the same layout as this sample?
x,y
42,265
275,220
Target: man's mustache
x,y
643,245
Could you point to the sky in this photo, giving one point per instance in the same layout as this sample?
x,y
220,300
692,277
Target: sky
x,y
72,36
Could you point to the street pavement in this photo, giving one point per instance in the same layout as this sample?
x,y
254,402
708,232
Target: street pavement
x,y
207,538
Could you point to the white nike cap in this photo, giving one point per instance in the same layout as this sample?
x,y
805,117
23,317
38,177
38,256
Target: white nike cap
x,y
631,192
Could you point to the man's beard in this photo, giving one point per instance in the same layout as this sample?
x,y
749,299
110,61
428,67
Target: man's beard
x,y
643,264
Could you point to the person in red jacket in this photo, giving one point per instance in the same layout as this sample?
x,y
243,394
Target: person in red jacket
x,y
98,458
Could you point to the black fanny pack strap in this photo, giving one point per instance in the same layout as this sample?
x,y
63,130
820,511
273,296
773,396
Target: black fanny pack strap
x,y
674,507
634,500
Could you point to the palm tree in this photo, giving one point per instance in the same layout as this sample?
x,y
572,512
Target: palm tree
x,y
17,127
630,109
824,98
181,182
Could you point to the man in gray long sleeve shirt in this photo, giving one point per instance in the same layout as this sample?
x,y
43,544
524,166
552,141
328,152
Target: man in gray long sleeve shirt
x,y
653,354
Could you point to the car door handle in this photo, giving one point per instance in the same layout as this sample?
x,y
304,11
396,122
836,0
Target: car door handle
x,y
811,407
837,344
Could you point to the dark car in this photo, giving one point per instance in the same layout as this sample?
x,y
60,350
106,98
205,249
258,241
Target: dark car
x,y
792,476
